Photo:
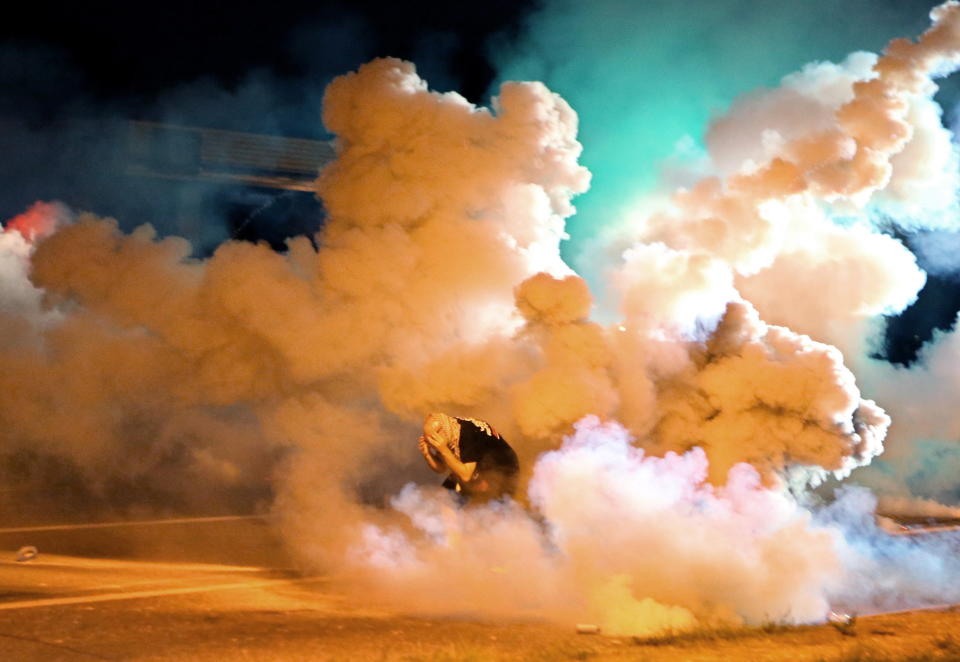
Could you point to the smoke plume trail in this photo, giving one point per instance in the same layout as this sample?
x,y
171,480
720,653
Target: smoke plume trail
x,y
644,76
438,285
789,249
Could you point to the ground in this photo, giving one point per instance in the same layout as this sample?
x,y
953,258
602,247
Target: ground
x,y
70,608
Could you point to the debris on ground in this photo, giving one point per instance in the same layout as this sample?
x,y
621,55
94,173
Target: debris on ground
x,y
27,553
843,622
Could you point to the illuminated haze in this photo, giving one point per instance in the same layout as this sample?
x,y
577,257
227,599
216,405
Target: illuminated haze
x,y
647,78
692,428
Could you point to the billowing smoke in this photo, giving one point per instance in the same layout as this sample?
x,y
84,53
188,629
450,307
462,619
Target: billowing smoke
x,y
646,78
20,300
683,431
727,546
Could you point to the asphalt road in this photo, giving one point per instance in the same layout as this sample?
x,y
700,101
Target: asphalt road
x,y
242,540
65,608
69,608
119,591
222,589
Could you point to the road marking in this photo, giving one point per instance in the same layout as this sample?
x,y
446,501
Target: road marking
x,y
153,522
57,561
134,595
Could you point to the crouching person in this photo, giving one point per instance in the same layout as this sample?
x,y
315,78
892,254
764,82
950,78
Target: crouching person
x,y
483,467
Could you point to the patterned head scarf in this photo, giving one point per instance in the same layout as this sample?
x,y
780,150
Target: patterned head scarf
x,y
446,427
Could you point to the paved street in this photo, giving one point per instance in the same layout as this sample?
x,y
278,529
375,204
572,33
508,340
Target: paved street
x,y
220,590
211,588
64,608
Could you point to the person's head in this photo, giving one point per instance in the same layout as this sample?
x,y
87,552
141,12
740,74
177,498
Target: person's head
x,y
437,426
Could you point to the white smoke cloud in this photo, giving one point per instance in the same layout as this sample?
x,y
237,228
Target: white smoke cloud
x,y
937,250
725,545
923,447
883,572
768,396
866,274
18,296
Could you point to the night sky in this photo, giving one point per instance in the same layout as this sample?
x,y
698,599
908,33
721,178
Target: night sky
x,y
83,58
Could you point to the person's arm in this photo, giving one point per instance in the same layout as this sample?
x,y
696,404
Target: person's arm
x,y
462,470
430,455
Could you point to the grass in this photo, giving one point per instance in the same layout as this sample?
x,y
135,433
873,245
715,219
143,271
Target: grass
x,y
945,649
464,654
711,635
847,628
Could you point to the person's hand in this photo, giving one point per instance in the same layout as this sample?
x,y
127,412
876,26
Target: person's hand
x,y
429,453
424,447
436,443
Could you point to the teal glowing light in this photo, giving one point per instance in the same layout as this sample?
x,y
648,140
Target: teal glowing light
x,y
643,74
